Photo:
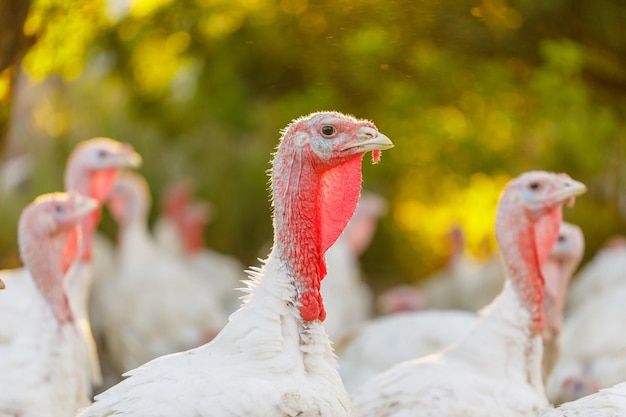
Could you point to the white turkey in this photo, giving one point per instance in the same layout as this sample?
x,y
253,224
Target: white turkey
x,y
169,226
608,402
592,349
273,357
91,170
347,298
389,340
224,273
465,283
600,276
44,362
495,369
558,271
156,303
180,231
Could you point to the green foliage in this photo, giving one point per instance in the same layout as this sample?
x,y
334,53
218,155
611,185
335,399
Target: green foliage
x,y
471,92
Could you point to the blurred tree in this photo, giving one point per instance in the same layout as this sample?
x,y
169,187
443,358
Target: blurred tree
x,y
13,45
472,92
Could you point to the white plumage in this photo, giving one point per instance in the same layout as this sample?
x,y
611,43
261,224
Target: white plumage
x,y
156,304
465,283
496,369
91,170
593,353
44,360
180,231
273,357
608,402
389,340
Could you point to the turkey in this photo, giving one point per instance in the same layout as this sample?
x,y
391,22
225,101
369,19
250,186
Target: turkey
x,y
44,362
347,299
169,226
222,272
600,276
378,345
91,170
156,303
389,340
608,402
495,369
273,357
593,355
558,271
465,283
180,231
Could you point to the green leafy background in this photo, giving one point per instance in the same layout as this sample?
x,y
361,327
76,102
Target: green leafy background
x,y
471,92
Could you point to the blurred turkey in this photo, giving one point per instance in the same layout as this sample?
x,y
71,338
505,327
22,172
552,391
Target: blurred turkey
x,y
273,357
593,352
601,275
45,365
347,299
495,369
224,273
465,283
389,340
608,402
156,303
400,299
379,344
169,226
558,271
91,171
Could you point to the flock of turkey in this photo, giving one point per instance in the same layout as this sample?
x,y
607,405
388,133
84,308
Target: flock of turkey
x,y
161,309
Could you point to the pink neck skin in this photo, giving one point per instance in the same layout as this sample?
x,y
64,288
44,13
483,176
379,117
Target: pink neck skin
x,y
311,208
95,184
553,299
525,246
48,260
193,237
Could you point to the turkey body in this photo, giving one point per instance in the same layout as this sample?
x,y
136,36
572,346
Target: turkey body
x,y
608,402
259,353
40,359
156,304
273,358
495,369
389,340
45,364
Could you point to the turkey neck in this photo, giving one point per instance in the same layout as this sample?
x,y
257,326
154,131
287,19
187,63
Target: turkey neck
x,y
45,258
520,259
95,184
312,206
297,235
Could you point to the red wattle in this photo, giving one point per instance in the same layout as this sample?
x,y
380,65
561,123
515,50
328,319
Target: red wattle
x,y
312,307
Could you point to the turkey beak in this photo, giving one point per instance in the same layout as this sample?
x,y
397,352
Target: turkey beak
x,y
369,139
128,157
1,285
84,205
567,190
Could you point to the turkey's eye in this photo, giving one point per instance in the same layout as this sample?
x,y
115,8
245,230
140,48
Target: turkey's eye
x,y
561,238
102,153
534,185
59,208
328,131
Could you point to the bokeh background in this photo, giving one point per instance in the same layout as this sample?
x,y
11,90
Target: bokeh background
x,y
472,92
